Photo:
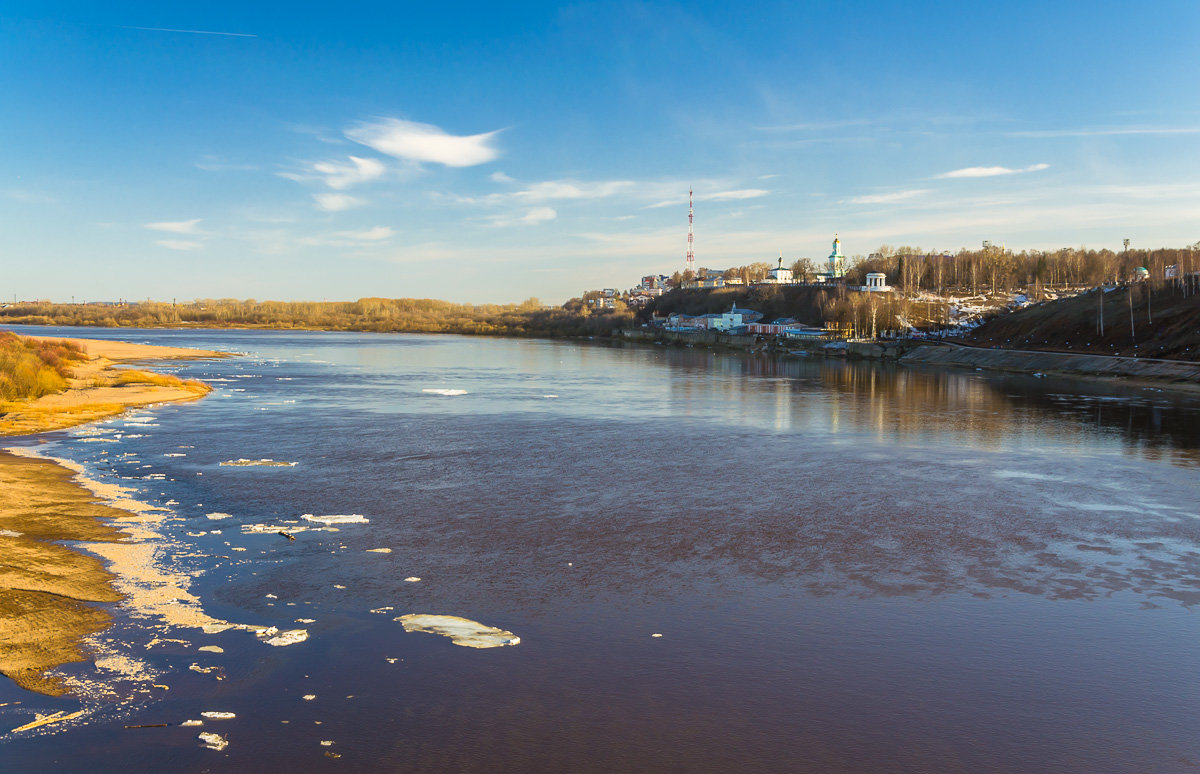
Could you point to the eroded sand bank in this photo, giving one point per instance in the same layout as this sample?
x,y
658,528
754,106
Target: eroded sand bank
x,y
94,391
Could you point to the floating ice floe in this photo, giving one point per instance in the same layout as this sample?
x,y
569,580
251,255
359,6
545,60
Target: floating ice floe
x,y
309,696
350,518
211,649
216,671
280,639
174,454
218,516
461,631
213,715
549,396
263,463
412,579
192,722
379,550
306,620
9,533
213,741
444,392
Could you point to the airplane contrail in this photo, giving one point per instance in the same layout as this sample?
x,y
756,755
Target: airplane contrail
x,y
190,32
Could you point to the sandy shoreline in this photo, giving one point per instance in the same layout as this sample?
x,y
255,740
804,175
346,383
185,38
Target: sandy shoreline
x,y
50,595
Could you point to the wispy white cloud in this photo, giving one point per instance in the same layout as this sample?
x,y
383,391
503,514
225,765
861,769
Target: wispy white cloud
x,y
989,171
716,196
500,177
212,163
340,175
816,126
179,244
375,234
30,197
425,143
531,218
728,196
888,198
550,190
176,226
539,215
336,202
1108,132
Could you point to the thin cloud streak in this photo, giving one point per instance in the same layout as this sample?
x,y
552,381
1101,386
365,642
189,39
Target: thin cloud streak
x,y
1105,132
888,198
188,32
178,244
334,202
176,226
988,172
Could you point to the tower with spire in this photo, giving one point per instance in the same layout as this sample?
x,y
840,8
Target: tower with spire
x,y
837,262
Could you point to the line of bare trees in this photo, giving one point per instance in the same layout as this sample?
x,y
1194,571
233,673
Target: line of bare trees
x,y
995,269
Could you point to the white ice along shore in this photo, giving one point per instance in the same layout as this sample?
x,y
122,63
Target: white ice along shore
x,y
461,631
154,590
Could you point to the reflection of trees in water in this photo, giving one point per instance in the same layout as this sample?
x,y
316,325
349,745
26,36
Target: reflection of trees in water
x,y
983,410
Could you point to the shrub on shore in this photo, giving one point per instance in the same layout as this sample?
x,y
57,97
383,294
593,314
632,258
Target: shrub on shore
x,y
30,368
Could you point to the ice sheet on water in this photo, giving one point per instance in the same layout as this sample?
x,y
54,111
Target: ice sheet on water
x,y
242,462
349,518
461,631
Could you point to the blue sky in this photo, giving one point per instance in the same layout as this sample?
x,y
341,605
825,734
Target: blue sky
x,y
493,152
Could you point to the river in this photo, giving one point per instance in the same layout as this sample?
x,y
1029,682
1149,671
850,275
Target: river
x,y
851,566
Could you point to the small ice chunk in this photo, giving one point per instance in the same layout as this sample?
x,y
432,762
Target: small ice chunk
x,y
461,631
444,392
192,723
412,579
211,649
309,696
289,637
218,516
213,741
215,715
379,550
306,620
9,533
271,596
327,743
656,635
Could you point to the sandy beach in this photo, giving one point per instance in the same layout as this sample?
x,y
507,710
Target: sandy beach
x,y
48,592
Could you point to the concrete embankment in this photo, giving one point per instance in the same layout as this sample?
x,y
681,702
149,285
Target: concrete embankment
x,y
1028,361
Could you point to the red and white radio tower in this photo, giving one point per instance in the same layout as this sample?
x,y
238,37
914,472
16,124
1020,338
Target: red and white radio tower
x,y
691,253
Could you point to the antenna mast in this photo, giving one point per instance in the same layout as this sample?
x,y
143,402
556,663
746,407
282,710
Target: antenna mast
x,y
691,252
